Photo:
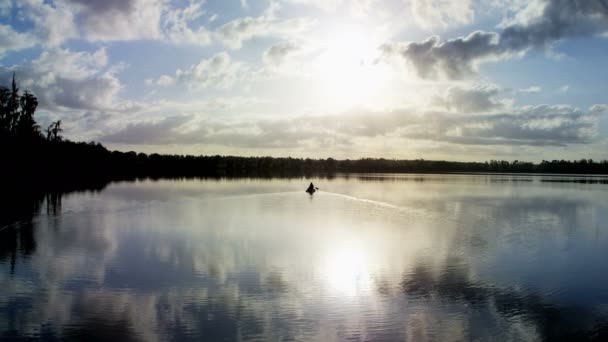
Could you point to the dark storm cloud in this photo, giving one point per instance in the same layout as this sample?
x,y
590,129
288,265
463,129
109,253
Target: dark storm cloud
x,y
459,57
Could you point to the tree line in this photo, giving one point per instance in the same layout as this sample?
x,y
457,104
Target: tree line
x,y
17,116
45,158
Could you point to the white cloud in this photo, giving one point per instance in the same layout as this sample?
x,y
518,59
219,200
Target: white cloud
x,y
543,125
10,40
564,88
52,24
234,33
356,8
326,5
65,80
164,80
477,99
531,90
69,64
5,7
176,25
122,20
276,54
218,71
114,20
441,13
119,19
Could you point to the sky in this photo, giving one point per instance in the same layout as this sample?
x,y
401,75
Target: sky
x,y
466,80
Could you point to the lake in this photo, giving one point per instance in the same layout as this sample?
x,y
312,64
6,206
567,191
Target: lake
x,y
376,257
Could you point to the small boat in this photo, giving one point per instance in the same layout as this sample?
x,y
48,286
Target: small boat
x,y
311,189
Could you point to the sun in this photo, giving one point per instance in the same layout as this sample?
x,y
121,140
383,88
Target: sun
x,y
347,68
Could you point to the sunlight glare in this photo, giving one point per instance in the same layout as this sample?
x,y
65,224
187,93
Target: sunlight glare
x,y
347,69
346,268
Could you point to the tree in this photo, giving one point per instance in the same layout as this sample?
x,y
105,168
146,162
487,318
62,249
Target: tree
x,y
53,131
5,124
17,113
9,108
13,106
26,125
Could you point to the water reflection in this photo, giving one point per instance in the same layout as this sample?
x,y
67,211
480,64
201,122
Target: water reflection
x,y
257,260
550,321
16,226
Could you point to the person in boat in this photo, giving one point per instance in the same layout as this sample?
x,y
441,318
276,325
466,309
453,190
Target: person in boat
x,y
311,189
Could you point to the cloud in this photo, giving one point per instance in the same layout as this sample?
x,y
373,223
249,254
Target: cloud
x,y
531,90
67,80
477,99
452,59
549,22
187,129
441,13
214,104
276,54
357,8
564,88
58,21
10,40
114,20
5,8
161,132
119,19
69,64
176,26
234,33
325,5
218,71
544,125
53,24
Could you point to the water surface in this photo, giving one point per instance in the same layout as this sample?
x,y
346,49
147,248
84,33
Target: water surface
x,y
367,258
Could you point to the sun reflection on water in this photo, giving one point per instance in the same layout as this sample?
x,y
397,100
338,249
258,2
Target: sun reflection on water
x,y
346,268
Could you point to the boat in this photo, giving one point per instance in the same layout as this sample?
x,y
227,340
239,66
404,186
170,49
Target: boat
x,y
311,189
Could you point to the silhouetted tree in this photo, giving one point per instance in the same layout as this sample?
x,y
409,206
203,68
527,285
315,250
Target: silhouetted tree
x,y
52,132
13,105
5,119
26,125
17,112
10,107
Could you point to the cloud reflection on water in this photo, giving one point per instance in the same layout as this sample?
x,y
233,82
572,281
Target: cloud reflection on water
x,y
461,261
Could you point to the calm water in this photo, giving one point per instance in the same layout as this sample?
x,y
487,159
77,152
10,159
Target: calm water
x,y
375,258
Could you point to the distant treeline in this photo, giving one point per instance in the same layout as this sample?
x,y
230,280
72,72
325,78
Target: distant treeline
x,y
64,159
28,154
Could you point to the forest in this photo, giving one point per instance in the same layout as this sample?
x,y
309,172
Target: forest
x,y
42,157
